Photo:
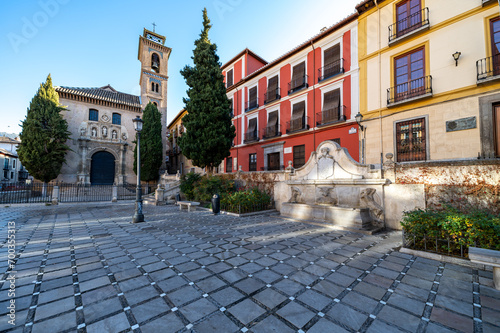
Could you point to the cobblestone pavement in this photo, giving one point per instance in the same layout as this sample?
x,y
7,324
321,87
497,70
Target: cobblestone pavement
x,y
86,268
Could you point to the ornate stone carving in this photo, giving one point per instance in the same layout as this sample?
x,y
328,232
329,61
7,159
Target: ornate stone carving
x,y
105,118
94,132
325,164
83,131
104,131
296,195
326,196
114,135
124,137
366,200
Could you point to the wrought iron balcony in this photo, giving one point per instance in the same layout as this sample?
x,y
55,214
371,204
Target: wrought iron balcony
x,y
271,132
296,125
331,69
297,84
409,25
272,95
252,136
251,105
409,91
488,69
330,116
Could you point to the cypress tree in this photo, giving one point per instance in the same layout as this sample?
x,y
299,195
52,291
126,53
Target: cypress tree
x,y
209,131
44,133
151,144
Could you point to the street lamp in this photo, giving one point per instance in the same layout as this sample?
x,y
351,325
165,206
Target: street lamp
x,y
359,119
138,215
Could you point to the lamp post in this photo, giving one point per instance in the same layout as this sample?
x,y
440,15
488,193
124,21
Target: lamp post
x,y
138,215
359,119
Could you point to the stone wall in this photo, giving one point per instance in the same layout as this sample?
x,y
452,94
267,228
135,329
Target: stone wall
x,y
457,183
262,180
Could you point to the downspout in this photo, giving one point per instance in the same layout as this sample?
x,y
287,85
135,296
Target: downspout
x,y
379,40
314,97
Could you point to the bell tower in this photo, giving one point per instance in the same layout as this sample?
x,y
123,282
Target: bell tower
x,y
153,55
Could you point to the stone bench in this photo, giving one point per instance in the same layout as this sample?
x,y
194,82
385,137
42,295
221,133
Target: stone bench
x,y
188,204
487,257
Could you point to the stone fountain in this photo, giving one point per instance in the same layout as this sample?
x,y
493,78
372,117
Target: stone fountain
x,y
334,188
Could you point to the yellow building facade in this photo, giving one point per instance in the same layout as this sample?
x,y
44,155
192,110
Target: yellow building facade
x,y
429,79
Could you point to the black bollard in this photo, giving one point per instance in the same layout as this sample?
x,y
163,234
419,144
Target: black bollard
x,y
216,204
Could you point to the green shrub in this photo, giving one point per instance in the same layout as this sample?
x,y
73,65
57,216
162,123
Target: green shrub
x,y
473,227
199,188
188,182
244,201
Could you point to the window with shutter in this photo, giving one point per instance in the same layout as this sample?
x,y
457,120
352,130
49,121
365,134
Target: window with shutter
x,y
331,106
298,77
252,162
272,90
251,134
298,116
299,156
229,78
252,98
332,62
229,165
272,125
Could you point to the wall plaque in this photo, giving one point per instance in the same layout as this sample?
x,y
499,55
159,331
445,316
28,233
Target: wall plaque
x,y
461,124
288,150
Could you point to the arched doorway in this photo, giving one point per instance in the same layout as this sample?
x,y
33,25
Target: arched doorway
x,y
102,168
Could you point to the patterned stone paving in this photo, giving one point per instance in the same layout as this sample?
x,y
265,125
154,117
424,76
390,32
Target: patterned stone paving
x,y
86,268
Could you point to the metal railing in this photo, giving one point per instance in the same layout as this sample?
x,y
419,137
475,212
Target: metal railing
x,y
408,24
297,124
488,67
272,95
20,192
330,116
271,132
251,136
297,84
331,69
409,90
453,247
251,104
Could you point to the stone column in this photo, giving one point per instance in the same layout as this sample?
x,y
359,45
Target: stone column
x,y
55,195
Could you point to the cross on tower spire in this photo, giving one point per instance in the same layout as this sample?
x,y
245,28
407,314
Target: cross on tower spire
x,y
154,26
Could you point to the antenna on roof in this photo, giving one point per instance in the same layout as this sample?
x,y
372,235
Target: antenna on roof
x,y
323,29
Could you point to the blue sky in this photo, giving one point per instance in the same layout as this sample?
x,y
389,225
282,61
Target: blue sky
x,y
94,43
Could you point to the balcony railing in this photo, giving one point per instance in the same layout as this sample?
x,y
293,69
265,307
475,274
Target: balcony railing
x,y
330,116
297,84
271,132
251,136
331,69
251,104
488,68
272,95
408,25
298,124
418,88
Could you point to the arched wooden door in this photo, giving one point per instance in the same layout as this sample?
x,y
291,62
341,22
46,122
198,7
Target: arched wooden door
x,y
102,168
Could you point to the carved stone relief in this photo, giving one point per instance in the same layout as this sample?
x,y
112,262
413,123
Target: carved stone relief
x,y
367,200
296,195
326,196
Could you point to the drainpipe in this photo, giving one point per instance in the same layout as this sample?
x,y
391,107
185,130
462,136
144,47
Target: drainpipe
x,y
380,94
314,96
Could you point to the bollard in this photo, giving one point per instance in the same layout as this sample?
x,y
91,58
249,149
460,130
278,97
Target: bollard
x,y
216,204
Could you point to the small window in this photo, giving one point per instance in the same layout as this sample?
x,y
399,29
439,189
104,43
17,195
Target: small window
x,y
5,173
229,165
229,78
14,164
252,162
410,140
6,164
157,87
12,175
93,115
299,156
117,119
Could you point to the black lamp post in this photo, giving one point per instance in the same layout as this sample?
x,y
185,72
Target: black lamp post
x,y
359,119
138,215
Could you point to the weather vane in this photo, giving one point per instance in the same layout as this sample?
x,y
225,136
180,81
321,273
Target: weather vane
x,y
154,26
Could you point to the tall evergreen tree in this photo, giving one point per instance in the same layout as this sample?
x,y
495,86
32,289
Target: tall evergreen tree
x,y
209,130
151,144
44,133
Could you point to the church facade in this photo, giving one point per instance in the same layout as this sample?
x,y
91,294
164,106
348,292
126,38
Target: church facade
x,y
100,120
